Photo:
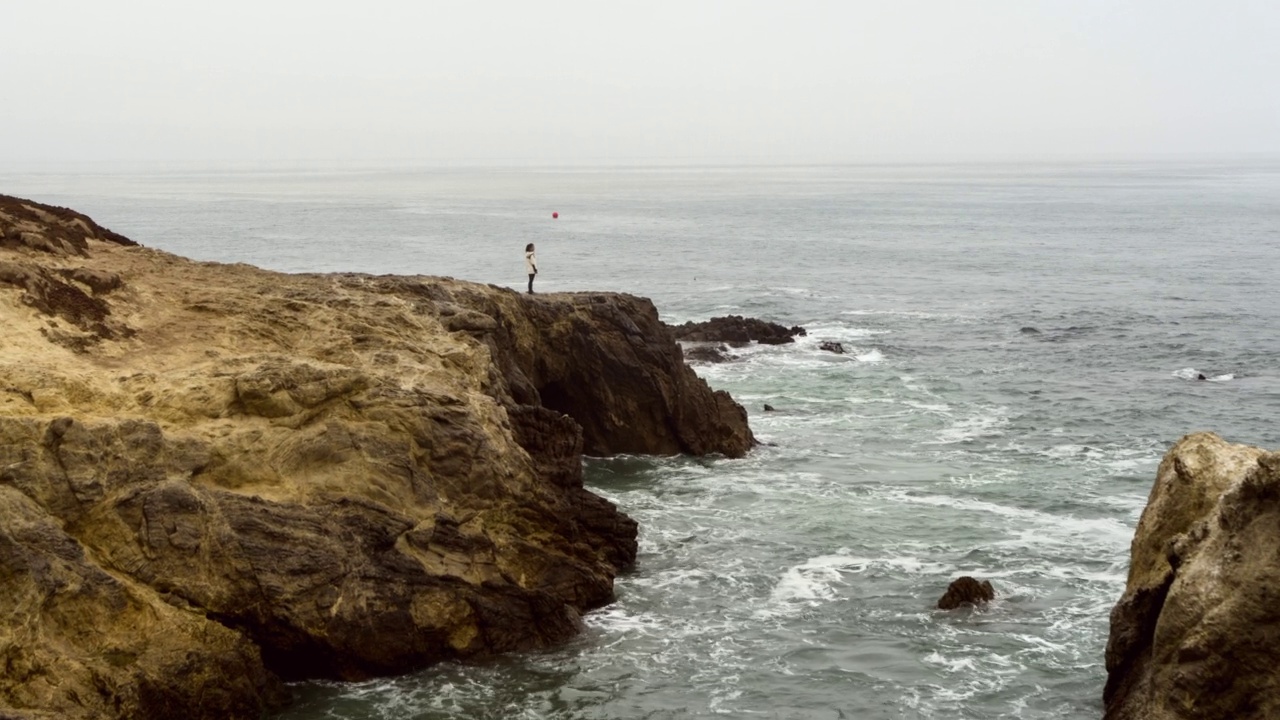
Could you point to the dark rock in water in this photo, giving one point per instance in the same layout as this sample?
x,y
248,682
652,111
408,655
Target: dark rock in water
x,y
1201,376
834,347
966,591
1029,331
736,330
768,407
707,354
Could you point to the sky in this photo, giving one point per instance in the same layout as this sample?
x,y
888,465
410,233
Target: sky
x,y
566,83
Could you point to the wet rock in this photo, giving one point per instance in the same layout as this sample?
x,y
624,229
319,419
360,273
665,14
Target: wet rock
x,y
707,353
737,330
834,347
768,407
966,590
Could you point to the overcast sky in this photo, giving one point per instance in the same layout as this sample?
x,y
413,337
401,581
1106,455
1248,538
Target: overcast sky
x,y
652,81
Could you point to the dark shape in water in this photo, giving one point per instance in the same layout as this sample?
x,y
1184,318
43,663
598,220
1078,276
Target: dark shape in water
x,y
834,347
707,354
966,590
768,407
736,330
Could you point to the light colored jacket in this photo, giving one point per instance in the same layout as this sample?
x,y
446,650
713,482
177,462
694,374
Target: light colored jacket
x,y
530,263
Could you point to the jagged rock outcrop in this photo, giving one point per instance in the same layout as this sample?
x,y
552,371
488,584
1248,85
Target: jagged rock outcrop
x,y
966,590
736,330
1195,634
214,477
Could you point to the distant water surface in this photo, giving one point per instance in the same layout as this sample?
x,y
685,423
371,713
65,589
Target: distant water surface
x,y
1024,343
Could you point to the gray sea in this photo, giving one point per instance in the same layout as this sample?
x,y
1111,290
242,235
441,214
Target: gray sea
x,y
1024,343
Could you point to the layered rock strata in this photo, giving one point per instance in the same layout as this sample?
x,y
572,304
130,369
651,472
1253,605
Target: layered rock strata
x,y
1196,633
213,477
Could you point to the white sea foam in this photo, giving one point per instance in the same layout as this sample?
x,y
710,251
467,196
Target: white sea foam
x,y
1190,373
872,356
972,428
815,578
950,664
1038,527
819,332
916,314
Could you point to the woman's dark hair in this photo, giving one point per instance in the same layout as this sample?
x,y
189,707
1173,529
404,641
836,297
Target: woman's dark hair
x,y
528,248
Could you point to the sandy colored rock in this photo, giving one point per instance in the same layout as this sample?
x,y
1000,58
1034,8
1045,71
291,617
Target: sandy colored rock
x,y
249,476
1194,635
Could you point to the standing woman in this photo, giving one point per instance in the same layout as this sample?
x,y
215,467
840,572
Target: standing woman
x,y
530,264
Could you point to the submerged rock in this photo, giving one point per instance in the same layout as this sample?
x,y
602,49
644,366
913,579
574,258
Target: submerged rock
x,y
1194,634
966,590
833,347
736,330
707,353
214,477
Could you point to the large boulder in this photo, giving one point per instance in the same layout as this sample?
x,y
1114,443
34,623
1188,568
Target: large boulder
x,y
214,477
1195,634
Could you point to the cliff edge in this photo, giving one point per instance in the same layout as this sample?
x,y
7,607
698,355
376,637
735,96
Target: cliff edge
x,y
214,477
1196,633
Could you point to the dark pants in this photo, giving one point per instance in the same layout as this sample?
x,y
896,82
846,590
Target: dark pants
x,y
531,281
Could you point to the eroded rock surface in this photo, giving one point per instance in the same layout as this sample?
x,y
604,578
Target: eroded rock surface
x,y
213,477
1195,634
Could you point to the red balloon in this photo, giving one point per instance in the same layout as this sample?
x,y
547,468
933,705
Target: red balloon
x,y
555,215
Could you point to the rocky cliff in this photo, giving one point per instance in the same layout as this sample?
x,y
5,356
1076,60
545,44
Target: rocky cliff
x,y
1197,632
214,477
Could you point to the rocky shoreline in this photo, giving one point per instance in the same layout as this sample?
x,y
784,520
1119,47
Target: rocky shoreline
x,y
214,477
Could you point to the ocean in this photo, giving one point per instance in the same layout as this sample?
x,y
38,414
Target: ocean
x,y
1024,343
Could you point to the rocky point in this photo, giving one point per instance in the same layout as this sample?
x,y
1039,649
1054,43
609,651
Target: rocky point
x,y
214,477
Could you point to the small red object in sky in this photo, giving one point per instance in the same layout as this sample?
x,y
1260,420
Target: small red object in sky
x,y
555,215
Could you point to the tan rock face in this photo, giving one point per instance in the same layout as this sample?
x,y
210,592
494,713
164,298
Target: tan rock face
x,y
1195,634
221,475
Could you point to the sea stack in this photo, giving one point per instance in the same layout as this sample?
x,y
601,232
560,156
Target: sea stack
x,y
1194,635
214,477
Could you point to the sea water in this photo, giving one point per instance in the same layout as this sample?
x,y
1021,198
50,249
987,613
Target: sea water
x,y
1023,344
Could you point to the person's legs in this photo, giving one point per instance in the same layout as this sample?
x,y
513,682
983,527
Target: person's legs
x,y
530,283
